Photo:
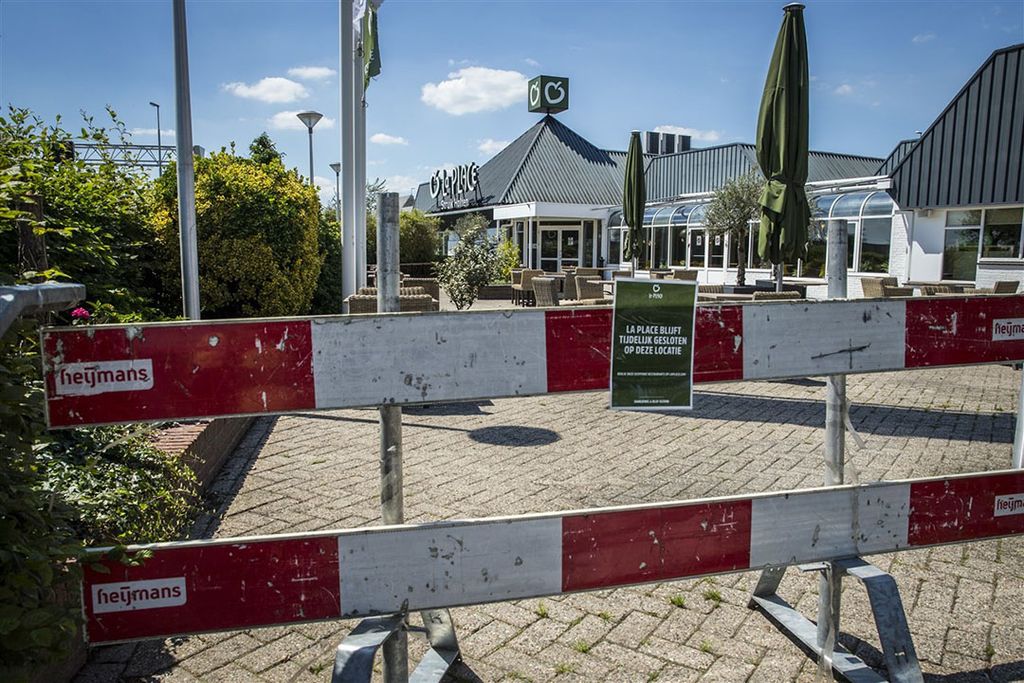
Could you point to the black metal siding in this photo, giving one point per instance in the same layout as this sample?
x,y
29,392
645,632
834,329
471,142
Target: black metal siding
x,y
972,155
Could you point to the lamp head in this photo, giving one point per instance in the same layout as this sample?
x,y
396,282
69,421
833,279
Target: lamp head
x,y
310,118
154,104
336,167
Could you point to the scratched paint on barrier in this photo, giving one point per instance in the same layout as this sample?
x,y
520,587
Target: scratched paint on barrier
x,y
243,583
136,373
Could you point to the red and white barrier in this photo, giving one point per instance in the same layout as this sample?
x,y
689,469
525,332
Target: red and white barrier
x,y
241,583
153,372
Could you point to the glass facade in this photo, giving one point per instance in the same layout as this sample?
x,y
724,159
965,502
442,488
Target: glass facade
x,y
980,234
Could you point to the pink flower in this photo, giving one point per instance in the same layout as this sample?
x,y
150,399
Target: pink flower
x,y
80,314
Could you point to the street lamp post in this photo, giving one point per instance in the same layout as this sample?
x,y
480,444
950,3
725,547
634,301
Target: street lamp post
x,y
159,148
310,118
336,167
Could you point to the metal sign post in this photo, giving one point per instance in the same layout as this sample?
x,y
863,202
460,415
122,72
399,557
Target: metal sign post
x,y
186,171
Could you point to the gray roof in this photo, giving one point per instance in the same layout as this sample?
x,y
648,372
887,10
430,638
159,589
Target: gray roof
x,y
708,168
901,150
548,163
552,163
972,154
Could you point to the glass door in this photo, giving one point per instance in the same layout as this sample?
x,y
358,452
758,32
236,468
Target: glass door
x,y
549,248
570,248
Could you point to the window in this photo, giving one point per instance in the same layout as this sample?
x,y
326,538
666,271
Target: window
x,y
1001,236
697,247
717,245
615,245
875,236
817,247
960,254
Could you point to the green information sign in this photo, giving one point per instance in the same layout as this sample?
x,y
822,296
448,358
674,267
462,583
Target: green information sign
x,y
652,344
548,94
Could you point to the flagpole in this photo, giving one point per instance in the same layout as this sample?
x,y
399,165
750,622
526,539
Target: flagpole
x,y
359,133
346,67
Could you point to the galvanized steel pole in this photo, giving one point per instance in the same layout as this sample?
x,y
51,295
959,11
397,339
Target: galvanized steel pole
x,y
392,504
359,182
186,172
348,222
1018,438
830,583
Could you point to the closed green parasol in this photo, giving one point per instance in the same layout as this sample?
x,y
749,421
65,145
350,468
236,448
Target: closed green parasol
x,y
634,199
782,145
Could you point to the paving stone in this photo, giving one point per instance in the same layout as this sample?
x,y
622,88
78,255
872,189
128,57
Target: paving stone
x,y
306,472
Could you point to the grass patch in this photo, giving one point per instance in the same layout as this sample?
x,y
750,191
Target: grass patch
x,y
564,668
653,676
677,600
516,676
705,647
541,610
605,616
990,651
712,595
582,646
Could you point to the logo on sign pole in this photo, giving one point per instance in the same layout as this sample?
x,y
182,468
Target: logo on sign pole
x,y
549,94
86,379
128,596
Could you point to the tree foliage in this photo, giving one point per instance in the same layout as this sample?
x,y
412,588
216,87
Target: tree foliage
x,y
262,150
732,208
328,299
471,265
257,226
508,258
418,237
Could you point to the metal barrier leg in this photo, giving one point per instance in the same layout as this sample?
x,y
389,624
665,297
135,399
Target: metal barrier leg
x,y
890,620
893,633
444,647
353,661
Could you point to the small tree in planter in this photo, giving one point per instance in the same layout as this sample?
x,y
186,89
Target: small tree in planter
x,y
732,208
471,265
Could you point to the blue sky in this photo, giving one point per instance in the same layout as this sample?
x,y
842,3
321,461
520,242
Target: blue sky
x,y
452,88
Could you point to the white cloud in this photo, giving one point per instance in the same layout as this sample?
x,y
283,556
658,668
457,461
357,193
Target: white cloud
x,y
325,188
385,139
312,73
844,89
476,89
696,134
402,184
289,120
151,132
491,147
272,89
923,38
531,62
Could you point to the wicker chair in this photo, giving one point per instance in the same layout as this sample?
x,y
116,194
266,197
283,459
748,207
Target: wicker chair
x,y
525,288
582,271
932,290
402,291
590,289
1005,287
517,279
680,274
569,291
872,286
366,303
545,291
429,285
890,292
776,296
616,274
711,289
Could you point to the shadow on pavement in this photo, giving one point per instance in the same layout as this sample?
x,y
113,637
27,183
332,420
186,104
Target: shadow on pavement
x,y
514,435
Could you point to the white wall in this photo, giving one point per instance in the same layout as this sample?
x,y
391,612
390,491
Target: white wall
x,y
991,271
926,246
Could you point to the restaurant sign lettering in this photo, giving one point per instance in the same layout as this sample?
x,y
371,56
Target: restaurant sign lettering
x,y
450,186
652,344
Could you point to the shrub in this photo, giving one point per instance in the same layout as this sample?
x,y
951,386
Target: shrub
x,y
418,237
508,258
257,227
469,267
328,299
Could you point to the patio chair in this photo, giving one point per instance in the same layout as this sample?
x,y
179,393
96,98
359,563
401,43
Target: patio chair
x,y
525,287
890,292
590,289
402,291
872,286
776,296
711,289
933,290
429,285
1005,287
616,274
517,279
545,291
588,271
681,274
570,292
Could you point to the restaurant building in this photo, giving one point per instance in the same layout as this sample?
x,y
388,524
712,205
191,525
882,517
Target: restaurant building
x,y
946,206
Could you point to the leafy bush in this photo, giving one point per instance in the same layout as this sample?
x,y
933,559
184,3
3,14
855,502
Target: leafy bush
x,y
257,227
328,299
730,211
418,237
120,487
470,266
508,258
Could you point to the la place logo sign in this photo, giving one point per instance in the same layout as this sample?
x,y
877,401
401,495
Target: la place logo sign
x,y
449,187
548,94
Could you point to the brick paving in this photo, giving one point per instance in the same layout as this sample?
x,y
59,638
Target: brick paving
x,y
319,471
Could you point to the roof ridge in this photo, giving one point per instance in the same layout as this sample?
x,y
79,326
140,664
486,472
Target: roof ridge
x,y
540,126
956,98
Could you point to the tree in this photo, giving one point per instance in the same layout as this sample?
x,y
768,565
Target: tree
x,y
732,208
257,226
264,151
469,267
328,297
417,237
